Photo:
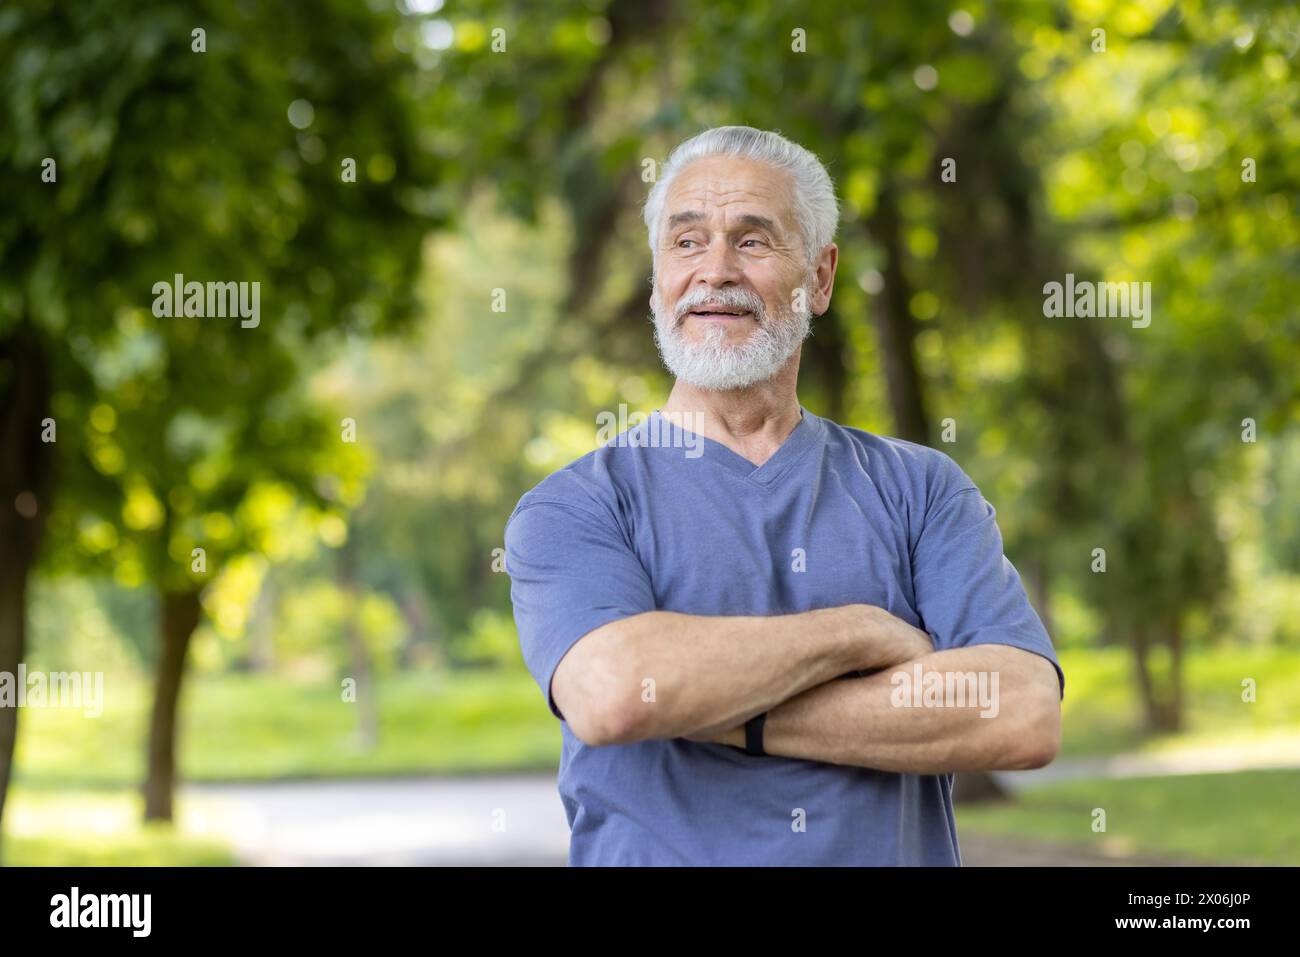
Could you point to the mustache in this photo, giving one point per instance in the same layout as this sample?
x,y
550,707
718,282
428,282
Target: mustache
x,y
729,297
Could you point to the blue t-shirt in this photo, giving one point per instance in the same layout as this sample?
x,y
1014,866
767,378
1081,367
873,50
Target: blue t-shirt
x,y
662,519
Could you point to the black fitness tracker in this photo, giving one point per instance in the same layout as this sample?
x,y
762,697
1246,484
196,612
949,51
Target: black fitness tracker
x,y
754,734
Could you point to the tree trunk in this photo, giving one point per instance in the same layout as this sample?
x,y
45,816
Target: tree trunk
x,y
25,487
975,787
362,671
1146,684
1174,637
1040,592
13,602
823,361
1162,698
896,328
261,647
420,639
179,617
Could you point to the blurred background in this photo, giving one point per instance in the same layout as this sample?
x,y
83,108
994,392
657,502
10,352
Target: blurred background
x,y
281,544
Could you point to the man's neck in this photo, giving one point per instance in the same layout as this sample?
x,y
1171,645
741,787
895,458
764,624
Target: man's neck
x,y
752,422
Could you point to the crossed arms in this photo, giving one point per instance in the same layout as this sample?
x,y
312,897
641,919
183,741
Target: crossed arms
x,y
666,675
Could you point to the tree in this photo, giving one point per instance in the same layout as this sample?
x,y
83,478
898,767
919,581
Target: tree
x,y
251,145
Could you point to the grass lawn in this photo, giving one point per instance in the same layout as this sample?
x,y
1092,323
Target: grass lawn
x,y
101,828
1244,818
1102,711
260,727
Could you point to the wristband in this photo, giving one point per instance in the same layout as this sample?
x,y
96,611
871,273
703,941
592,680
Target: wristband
x,y
754,734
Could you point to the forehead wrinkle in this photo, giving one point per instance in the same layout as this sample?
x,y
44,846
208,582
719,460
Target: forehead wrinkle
x,y
723,194
705,182
703,199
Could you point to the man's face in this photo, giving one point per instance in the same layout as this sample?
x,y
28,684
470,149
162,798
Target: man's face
x,y
729,261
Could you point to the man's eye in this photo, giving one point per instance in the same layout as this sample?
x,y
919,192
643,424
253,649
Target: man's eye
x,y
758,241
682,242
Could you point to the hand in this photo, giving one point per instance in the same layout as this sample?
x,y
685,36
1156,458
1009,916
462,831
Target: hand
x,y
908,644
913,643
887,639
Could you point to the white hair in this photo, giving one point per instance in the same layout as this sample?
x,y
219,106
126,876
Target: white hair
x,y
816,209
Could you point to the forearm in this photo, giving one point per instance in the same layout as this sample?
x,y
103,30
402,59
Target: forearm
x,y
692,674
888,722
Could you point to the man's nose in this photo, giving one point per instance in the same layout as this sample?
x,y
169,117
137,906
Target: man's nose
x,y
721,265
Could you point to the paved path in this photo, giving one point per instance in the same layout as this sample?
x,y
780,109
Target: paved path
x,y
474,820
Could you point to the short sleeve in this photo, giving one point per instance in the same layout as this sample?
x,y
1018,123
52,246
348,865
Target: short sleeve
x,y
967,591
571,570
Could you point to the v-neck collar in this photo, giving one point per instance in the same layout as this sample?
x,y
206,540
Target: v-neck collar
x,y
807,433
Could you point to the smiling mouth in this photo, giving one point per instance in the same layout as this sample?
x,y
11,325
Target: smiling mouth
x,y
721,313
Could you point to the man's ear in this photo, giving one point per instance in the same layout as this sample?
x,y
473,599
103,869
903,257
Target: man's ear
x,y
824,279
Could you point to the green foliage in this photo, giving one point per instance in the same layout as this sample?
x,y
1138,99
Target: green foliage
x,y
183,432
309,629
491,640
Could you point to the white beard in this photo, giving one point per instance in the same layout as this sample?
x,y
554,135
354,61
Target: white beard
x,y
714,364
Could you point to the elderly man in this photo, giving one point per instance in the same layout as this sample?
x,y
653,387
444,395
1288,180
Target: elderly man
x,y
689,617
